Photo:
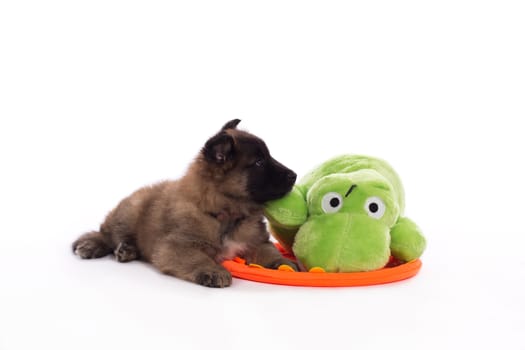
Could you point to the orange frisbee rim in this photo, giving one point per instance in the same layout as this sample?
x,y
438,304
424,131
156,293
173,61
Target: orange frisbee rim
x,y
239,269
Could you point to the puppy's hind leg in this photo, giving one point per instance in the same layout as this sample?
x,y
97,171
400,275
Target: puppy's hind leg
x,y
126,251
119,227
92,245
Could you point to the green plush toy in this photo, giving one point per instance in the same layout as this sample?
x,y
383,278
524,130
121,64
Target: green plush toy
x,y
346,216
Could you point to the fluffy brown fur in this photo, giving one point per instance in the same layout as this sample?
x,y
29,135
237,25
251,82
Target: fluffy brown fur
x,y
186,228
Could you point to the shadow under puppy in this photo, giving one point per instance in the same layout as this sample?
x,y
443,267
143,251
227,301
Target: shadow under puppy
x,y
186,228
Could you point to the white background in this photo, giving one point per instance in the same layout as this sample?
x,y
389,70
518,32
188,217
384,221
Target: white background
x,y
98,98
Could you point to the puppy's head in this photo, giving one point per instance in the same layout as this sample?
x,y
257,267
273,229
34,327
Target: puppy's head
x,y
244,165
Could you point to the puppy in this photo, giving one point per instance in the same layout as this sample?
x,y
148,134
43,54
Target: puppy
x,y
186,228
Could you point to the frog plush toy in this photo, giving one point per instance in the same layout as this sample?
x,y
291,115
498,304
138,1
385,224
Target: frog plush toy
x,y
346,216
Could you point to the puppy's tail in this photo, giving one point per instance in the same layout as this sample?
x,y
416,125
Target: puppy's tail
x,y
92,245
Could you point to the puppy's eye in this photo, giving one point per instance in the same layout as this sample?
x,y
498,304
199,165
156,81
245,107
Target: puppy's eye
x,y
332,202
375,207
259,162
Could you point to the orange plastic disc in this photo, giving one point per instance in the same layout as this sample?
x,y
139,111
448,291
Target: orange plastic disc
x,y
239,269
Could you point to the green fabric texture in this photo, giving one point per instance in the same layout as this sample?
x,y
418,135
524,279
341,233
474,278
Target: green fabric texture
x,y
346,215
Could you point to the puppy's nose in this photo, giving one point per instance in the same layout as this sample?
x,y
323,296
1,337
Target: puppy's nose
x,y
292,176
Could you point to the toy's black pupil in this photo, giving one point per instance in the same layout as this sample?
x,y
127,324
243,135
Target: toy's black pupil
x,y
334,202
373,207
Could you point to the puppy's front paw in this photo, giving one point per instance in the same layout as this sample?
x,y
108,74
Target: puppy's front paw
x,y
214,278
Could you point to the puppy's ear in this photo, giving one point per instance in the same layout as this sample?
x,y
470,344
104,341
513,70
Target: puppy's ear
x,y
232,124
219,149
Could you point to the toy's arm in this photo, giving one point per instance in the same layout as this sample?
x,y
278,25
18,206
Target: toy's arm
x,y
286,215
406,240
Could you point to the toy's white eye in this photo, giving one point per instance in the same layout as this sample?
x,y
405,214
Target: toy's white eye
x,y
332,202
375,207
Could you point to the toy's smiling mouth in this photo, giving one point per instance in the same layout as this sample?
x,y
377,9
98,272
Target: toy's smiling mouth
x,y
350,190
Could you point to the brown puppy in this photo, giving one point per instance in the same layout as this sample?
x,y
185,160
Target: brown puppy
x,y
186,228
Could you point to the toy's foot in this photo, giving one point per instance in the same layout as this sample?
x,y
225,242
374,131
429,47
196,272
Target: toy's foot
x,y
280,262
286,268
317,270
